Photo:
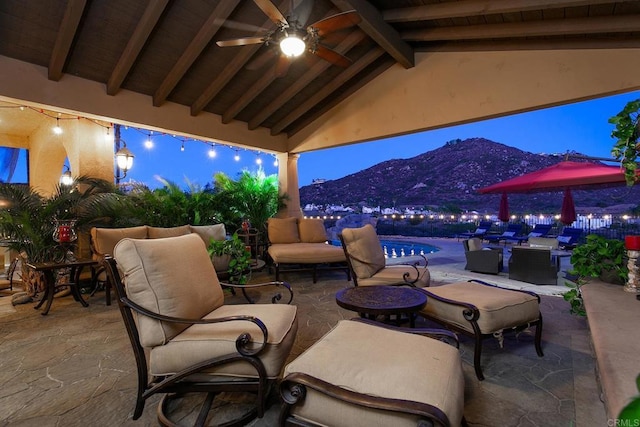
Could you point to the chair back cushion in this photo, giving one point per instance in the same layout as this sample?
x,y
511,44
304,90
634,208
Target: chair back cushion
x,y
364,250
283,230
208,232
312,230
475,244
172,276
162,232
103,240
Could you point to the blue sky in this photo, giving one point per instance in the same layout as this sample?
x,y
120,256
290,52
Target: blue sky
x,y
582,127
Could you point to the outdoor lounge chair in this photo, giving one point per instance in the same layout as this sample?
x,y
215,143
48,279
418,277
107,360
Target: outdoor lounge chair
x,y
481,231
367,264
184,337
513,230
482,260
539,230
569,238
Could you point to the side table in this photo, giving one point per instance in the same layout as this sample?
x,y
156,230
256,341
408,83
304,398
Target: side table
x,y
382,300
48,269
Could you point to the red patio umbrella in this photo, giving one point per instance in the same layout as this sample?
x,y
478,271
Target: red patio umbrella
x,y
568,212
503,213
563,175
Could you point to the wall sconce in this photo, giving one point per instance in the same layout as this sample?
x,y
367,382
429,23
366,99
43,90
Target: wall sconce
x,y
66,178
124,160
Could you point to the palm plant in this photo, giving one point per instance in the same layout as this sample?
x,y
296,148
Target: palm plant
x,y
253,196
27,219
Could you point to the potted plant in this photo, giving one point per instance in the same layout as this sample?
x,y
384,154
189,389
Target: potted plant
x,y
600,257
232,252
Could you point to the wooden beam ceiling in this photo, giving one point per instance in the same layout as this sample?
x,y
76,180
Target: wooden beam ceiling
x,y
66,33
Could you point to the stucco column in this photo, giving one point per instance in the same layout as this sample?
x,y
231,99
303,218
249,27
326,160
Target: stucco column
x,y
288,184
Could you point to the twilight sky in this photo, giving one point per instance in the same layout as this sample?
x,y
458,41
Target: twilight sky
x,y
581,127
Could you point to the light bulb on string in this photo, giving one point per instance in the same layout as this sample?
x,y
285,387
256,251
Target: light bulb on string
x,y
148,143
57,129
108,137
212,152
182,146
236,157
258,159
275,161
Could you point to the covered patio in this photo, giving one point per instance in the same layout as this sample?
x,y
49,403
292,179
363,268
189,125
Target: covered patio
x,y
76,364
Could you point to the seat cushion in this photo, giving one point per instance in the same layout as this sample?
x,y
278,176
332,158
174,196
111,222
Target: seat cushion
x,y
172,276
283,230
162,232
393,274
208,232
475,244
305,253
365,251
312,230
499,308
199,343
433,377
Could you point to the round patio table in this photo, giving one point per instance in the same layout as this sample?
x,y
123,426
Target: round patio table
x,y
372,301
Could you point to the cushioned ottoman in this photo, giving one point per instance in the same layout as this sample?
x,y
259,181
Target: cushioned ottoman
x,y
480,310
358,375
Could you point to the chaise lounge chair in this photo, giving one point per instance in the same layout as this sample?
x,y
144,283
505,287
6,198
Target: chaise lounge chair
x,y
539,230
480,232
513,231
569,238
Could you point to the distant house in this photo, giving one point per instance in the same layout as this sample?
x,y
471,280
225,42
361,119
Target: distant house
x,y
318,181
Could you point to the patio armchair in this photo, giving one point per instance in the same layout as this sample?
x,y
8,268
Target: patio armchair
x,y
184,337
366,386
482,260
7,282
533,265
366,261
483,228
512,233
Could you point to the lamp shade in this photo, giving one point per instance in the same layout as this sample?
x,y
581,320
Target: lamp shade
x,y
292,45
124,159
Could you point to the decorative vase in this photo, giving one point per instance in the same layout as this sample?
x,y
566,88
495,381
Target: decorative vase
x,y
221,262
64,230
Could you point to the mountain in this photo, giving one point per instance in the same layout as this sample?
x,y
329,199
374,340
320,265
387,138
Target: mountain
x,y
450,176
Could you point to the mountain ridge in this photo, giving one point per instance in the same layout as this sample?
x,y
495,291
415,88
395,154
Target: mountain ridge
x,y
449,176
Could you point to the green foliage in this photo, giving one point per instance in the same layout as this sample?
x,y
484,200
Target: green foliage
x,y
627,134
170,206
574,297
630,414
597,256
240,257
27,217
253,196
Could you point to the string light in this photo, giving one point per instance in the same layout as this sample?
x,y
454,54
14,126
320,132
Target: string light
x,y
57,129
275,161
212,152
148,143
182,146
236,157
108,137
258,159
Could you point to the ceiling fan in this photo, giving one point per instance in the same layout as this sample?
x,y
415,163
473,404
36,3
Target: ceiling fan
x,y
293,39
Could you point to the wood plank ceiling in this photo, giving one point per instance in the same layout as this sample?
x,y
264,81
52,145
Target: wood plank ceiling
x,y
166,48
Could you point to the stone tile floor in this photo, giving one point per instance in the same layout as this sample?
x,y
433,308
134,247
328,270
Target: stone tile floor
x,y
74,367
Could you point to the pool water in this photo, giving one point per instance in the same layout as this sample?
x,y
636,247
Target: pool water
x,y
398,248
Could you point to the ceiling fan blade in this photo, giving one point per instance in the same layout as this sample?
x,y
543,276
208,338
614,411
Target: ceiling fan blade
x,y
243,41
271,11
262,59
282,66
336,22
332,56
229,23
301,12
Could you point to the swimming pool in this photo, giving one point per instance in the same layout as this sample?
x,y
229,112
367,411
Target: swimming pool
x,y
400,248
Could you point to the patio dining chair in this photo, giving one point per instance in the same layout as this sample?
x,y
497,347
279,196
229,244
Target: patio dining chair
x,y
366,261
184,337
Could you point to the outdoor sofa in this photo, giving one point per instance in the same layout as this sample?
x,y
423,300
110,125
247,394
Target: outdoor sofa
x,y
297,244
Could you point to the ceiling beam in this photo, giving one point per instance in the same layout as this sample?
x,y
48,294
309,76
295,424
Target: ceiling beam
x,y
350,41
545,44
135,44
231,69
249,95
327,90
64,39
479,7
552,27
195,48
382,33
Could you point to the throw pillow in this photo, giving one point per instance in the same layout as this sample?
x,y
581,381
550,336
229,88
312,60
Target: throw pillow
x,y
564,239
283,230
312,230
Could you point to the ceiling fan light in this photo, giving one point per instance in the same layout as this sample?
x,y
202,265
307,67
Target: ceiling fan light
x,y
292,46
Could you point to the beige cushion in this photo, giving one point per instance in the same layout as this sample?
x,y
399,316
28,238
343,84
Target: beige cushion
x,y
105,239
499,308
543,242
312,230
393,274
363,246
172,276
203,342
208,232
283,230
306,253
161,232
475,244
434,377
